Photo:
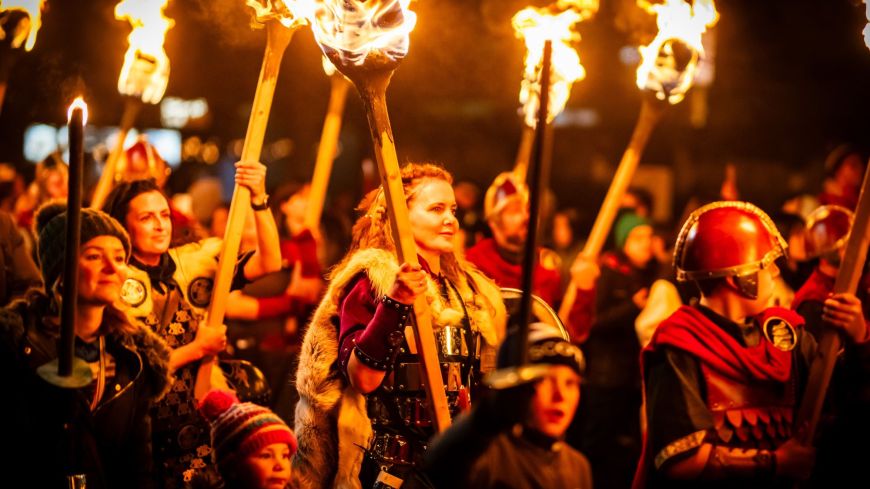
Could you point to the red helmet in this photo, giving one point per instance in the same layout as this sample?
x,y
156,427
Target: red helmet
x,y
827,229
506,187
726,239
142,161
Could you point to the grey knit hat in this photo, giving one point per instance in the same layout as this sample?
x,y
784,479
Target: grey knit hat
x,y
51,236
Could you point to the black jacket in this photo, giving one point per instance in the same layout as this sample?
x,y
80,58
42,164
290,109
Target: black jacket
x,y
112,444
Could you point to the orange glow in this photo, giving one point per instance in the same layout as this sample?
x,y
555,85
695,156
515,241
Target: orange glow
x,y
78,103
670,61
145,72
555,23
354,29
266,10
28,31
867,27
328,67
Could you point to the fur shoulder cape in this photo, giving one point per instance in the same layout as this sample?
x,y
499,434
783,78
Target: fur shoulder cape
x,y
332,426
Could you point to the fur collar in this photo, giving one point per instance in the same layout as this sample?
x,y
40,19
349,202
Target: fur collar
x,y
481,297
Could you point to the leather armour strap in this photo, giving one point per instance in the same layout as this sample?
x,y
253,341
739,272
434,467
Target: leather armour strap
x,y
726,463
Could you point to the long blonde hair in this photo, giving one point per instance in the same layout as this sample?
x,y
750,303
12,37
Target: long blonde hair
x,y
373,229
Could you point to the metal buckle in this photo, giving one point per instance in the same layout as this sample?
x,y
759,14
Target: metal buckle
x,y
396,449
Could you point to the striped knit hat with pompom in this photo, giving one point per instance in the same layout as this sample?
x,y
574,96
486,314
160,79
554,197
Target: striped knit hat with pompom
x,y
239,429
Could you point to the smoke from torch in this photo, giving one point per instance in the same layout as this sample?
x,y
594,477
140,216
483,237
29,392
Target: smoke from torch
x,y
555,23
24,31
670,61
145,72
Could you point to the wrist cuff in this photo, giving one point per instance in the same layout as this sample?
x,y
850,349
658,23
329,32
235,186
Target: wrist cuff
x,y
403,309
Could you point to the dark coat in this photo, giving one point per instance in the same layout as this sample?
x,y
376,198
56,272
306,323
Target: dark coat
x,y
18,272
111,445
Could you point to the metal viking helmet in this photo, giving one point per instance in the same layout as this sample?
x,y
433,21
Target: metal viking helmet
x,y
727,239
142,161
506,187
827,229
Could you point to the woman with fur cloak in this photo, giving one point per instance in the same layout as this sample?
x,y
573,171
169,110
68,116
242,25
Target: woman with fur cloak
x,y
362,419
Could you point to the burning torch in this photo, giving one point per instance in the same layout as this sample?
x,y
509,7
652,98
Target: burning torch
x,y
280,22
666,73
19,22
143,79
328,146
69,371
366,40
556,23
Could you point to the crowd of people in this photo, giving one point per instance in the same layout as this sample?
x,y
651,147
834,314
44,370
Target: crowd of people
x,y
678,358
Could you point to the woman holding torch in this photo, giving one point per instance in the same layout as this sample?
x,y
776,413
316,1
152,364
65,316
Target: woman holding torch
x,y
363,415
169,289
101,430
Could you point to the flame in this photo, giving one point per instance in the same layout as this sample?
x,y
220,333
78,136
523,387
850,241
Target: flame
x,y
328,67
289,15
78,103
354,29
33,8
145,73
670,61
536,26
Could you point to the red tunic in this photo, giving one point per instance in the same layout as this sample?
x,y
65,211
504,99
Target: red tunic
x,y
547,285
704,384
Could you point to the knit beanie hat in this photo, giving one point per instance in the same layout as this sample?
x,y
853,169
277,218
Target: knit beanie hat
x,y
51,236
239,429
624,226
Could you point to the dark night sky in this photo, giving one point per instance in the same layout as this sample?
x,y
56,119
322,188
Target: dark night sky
x,y
792,80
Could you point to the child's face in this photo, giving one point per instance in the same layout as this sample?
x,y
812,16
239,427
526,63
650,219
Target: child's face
x,y
269,468
555,401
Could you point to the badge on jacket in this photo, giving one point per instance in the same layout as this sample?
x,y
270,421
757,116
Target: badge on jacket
x,y
780,332
133,292
199,291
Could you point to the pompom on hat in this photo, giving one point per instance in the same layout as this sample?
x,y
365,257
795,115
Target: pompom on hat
x,y
50,229
239,429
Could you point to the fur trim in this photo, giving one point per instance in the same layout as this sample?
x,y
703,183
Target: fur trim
x,y
331,420
155,358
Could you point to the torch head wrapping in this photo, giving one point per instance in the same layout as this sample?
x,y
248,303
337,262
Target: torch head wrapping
x,y
365,40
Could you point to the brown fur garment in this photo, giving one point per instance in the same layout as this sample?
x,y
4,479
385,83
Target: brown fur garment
x,y
331,420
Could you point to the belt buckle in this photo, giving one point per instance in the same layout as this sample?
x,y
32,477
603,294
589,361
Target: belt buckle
x,y
393,449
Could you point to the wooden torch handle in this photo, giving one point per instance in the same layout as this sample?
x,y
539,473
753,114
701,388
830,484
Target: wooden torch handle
x,y
374,100
650,113
326,152
110,169
277,39
831,341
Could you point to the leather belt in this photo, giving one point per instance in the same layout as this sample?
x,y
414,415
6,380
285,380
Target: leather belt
x,y
397,449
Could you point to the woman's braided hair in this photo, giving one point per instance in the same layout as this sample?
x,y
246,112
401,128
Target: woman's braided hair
x,y
373,228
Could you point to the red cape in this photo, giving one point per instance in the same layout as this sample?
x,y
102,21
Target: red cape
x,y
690,330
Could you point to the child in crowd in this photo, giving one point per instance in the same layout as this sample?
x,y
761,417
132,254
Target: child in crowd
x,y
252,445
